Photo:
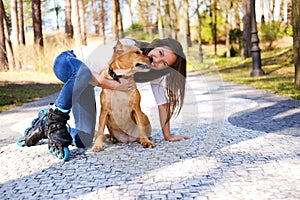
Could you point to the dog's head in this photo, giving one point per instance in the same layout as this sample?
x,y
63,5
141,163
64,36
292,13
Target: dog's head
x,y
127,60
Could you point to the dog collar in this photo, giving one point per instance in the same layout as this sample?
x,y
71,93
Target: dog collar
x,y
114,75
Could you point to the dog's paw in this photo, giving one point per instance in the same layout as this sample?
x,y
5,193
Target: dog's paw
x,y
146,143
97,148
111,139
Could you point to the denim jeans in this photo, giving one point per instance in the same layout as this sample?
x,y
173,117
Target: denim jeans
x,y
78,95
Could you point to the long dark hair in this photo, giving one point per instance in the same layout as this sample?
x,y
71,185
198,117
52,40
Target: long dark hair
x,y
175,74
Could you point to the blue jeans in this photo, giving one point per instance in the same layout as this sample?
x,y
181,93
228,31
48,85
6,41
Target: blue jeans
x,y
78,95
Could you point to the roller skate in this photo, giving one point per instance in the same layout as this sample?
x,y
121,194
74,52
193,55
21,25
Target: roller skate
x,y
58,134
36,132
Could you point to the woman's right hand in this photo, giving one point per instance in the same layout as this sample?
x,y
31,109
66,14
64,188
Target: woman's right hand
x,y
126,84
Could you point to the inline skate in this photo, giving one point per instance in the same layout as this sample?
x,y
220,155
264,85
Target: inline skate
x,y
58,135
36,132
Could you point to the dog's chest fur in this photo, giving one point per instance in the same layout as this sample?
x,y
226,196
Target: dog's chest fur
x,y
120,113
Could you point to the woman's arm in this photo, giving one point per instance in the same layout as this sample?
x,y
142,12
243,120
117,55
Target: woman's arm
x,y
100,81
162,109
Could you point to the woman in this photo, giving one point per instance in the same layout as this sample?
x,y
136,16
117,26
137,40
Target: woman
x,y
80,70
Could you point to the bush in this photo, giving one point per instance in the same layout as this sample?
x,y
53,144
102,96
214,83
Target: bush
x,y
271,32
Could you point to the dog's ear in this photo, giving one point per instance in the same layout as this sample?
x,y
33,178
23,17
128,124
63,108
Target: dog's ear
x,y
118,46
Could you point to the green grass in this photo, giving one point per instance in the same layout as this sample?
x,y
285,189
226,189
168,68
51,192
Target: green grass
x,y
13,94
277,64
17,88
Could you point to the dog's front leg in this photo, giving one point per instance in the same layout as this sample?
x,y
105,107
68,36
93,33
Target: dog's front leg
x,y
99,135
144,127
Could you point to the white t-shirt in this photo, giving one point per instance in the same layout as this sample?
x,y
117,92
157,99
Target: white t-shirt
x,y
97,58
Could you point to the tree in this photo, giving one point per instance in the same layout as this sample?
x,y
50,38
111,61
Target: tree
x,y
37,23
3,57
199,32
12,65
167,19
102,16
246,29
117,25
68,23
14,22
228,6
213,13
159,19
184,24
82,21
76,22
56,9
173,17
296,38
21,24
96,16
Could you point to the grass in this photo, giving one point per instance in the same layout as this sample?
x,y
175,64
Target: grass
x,y
277,64
19,88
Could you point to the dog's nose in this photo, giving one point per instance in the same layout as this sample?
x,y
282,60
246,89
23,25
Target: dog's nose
x,y
150,59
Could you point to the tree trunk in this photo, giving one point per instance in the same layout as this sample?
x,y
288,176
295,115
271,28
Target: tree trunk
x,y
296,38
173,17
246,29
227,28
21,24
183,22
82,21
14,22
213,9
76,23
13,63
159,20
199,33
102,15
117,25
68,23
167,19
96,18
3,57
37,23
120,20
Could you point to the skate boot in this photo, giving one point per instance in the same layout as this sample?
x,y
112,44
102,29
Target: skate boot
x,y
58,134
36,132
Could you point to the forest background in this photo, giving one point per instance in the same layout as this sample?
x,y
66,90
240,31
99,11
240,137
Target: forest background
x,y
215,34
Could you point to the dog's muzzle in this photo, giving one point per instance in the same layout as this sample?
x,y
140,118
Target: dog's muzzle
x,y
144,67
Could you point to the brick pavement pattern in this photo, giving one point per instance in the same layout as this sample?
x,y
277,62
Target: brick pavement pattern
x,y
244,144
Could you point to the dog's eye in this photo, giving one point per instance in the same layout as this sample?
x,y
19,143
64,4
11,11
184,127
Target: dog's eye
x,y
137,52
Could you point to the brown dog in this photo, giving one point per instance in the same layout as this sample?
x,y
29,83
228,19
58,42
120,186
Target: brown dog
x,y
120,110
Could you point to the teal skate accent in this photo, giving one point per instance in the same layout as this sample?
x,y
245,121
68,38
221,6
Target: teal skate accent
x,y
44,110
59,152
66,153
55,153
20,141
41,114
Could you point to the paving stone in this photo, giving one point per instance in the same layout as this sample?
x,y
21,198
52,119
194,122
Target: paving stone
x,y
244,144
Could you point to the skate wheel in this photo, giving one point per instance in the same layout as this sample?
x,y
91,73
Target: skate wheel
x,y
55,152
20,141
66,153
